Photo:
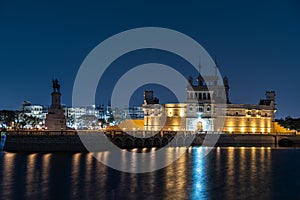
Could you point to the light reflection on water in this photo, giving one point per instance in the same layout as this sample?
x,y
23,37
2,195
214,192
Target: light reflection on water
x,y
199,175
226,173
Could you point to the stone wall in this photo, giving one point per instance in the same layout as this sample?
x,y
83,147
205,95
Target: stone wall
x,y
42,143
95,140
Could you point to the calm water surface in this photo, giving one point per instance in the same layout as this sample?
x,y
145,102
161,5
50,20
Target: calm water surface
x,y
226,173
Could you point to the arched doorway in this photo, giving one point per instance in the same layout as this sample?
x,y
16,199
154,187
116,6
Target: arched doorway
x,y
199,127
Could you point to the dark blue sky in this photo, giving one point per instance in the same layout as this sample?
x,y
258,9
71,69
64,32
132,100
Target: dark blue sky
x,y
257,43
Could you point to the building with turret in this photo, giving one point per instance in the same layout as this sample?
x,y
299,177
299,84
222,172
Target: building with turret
x,y
208,109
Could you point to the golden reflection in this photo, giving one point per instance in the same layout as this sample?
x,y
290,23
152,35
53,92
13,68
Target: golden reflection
x,y
176,173
134,150
269,156
262,160
103,156
30,171
143,163
133,160
100,169
123,160
46,166
153,159
181,172
152,165
242,165
229,177
133,182
144,150
218,161
242,157
88,167
253,168
75,169
230,164
253,159
8,170
169,171
171,153
76,162
123,176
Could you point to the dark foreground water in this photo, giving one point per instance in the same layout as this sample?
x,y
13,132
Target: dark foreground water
x,y
226,173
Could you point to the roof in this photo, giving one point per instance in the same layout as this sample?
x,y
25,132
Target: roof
x,y
131,124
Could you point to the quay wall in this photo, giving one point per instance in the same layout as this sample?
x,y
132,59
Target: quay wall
x,y
71,141
38,143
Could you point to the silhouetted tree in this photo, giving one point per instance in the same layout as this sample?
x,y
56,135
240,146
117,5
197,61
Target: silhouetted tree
x,y
7,117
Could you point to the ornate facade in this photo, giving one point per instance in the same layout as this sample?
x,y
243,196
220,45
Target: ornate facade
x,y
208,109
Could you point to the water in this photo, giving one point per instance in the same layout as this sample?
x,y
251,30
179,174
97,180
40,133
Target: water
x,y
226,173
3,139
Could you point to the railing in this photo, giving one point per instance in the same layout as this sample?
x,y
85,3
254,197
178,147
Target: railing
x,y
133,133
37,132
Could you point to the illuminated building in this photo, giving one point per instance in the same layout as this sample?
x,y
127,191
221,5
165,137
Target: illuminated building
x,y
37,111
206,102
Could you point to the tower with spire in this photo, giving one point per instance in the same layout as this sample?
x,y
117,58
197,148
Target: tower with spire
x,y
208,88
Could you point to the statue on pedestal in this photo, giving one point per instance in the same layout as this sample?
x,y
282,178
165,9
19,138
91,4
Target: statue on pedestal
x,y
55,119
56,86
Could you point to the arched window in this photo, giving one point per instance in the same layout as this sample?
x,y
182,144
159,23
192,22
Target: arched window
x,y
204,96
208,109
200,109
208,96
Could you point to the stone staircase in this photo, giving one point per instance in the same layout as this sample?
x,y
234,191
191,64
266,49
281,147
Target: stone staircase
x,y
280,129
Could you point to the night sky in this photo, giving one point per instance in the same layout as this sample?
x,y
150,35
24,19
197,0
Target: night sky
x,y
257,45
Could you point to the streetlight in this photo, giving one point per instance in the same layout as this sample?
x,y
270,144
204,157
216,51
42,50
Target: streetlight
x,y
100,124
40,125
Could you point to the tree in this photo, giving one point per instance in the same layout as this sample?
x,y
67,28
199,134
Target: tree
x,y
7,117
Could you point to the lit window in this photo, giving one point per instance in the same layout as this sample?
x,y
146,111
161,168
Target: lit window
x,y
200,109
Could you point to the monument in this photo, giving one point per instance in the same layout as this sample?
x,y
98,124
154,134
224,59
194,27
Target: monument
x,y
55,119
